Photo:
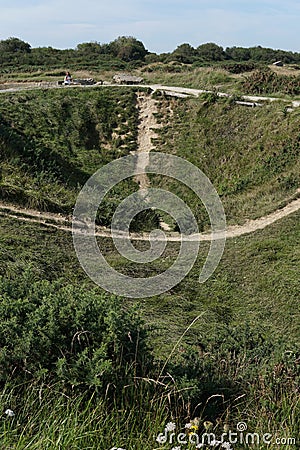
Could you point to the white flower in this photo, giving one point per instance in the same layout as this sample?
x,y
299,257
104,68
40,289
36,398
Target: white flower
x,y
200,445
188,425
9,413
117,448
215,443
226,445
176,448
170,426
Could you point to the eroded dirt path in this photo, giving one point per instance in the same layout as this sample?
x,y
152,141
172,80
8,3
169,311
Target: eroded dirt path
x,y
64,223
147,106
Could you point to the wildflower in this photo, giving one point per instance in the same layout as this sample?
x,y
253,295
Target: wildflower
x,y
226,445
195,422
215,443
117,448
208,425
9,413
176,448
170,426
193,426
200,445
226,427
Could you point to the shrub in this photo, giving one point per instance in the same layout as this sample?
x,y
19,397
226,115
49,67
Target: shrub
x,y
266,81
70,335
239,67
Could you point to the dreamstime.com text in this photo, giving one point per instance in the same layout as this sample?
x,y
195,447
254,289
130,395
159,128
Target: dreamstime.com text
x,y
240,436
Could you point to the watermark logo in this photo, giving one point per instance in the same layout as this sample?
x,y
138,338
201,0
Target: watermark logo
x,y
193,438
99,185
241,426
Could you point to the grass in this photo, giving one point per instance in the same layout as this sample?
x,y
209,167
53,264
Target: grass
x,y
242,349
52,141
251,155
53,76
225,351
51,419
199,78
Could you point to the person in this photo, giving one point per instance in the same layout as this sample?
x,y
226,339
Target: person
x,y
68,78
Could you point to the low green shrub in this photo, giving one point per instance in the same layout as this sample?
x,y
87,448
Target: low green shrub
x,y
265,81
60,333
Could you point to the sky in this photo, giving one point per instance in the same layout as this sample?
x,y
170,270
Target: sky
x,y
161,25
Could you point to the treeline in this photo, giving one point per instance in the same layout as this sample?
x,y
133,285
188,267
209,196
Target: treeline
x,y
118,54
128,52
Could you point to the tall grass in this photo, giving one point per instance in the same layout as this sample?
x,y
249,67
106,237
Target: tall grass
x,y
199,78
46,418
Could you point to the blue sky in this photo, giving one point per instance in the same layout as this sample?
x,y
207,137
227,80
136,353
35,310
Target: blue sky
x,y
161,25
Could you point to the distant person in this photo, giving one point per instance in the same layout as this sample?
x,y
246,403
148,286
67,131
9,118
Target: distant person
x,y
68,78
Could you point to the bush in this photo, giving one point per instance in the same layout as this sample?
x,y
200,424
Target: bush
x,y
236,67
266,81
78,337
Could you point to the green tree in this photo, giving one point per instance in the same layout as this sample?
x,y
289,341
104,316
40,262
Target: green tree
x,y
92,48
184,53
238,53
13,44
128,48
211,52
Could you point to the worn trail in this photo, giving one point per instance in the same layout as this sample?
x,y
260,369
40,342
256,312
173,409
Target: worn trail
x,y
64,223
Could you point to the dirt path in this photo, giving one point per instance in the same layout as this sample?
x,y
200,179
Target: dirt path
x,y
147,106
171,90
61,222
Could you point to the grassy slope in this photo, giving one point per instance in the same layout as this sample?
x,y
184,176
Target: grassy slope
x,y
256,282
52,141
249,317
251,155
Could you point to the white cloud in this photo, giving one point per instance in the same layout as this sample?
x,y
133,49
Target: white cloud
x,y
160,24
